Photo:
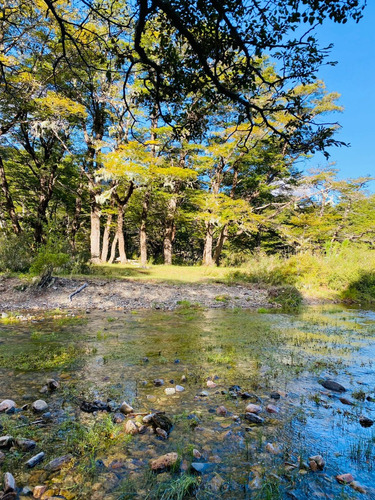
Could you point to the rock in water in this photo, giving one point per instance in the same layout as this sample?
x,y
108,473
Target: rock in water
x,y
365,421
317,462
118,418
131,428
197,454
251,408
89,407
272,409
255,419
161,421
58,463
169,391
331,385
161,433
35,460
221,410
345,478
126,408
39,406
158,382
52,384
179,388
7,405
201,468
25,444
164,462
275,395
9,483
345,401
358,487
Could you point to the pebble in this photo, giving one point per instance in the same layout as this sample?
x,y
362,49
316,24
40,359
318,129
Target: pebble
x,y
201,468
131,428
118,418
203,394
221,410
179,388
158,382
272,449
331,385
39,490
161,433
317,462
35,460
9,483
169,391
275,395
197,454
211,384
39,406
365,421
126,408
345,478
251,408
7,404
183,378
255,419
25,444
272,409
148,418
52,384
164,462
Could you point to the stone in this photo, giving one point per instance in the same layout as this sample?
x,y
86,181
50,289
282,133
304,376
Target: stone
x,y
251,408
275,450
7,404
183,378
47,415
164,462
158,382
255,419
179,388
161,433
52,384
126,408
216,483
118,418
317,462
131,428
345,401
275,395
25,444
222,411
26,491
211,384
39,490
148,418
345,478
9,483
151,397
39,406
358,487
169,391
272,409
201,468
58,463
331,385
203,394
35,460
365,421
6,441
162,421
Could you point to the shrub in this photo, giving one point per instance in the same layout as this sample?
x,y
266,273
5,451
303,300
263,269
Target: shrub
x,y
15,253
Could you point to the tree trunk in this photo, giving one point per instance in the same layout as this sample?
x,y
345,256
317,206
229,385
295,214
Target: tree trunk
x,y
76,219
220,243
207,252
105,243
142,231
113,248
9,205
120,235
170,231
95,232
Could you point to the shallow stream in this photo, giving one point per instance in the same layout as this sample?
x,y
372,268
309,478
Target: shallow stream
x,y
116,356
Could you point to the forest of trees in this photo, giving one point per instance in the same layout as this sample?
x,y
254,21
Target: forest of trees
x,y
163,131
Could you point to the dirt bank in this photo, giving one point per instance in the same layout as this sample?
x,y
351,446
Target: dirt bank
x,y
125,294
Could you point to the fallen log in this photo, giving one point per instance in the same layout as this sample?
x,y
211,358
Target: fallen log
x,y
79,290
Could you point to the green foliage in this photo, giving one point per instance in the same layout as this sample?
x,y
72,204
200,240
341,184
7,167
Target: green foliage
x,y
361,290
15,253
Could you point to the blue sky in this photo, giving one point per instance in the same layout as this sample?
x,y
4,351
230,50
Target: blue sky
x,y
354,78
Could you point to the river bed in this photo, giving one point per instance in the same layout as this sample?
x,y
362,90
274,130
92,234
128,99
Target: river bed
x,y
219,357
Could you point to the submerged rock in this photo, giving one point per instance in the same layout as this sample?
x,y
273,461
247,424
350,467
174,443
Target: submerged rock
x,y
275,395
331,385
52,384
255,419
203,394
39,406
161,421
164,462
179,388
216,483
131,428
91,407
272,409
271,448
345,401
345,478
7,404
25,444
201,468
358,487
58,463
169,391
365,421
316,462
222,411
158,382
161,433
197,454
118,418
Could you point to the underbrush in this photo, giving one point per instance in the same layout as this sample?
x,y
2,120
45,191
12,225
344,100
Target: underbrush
x,y
341,272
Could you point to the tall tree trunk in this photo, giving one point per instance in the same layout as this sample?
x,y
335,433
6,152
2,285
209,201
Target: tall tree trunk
x,y
207,252
9,205
170,231
113,249
76,218
105,243
95,231
142,231
220,243
120,235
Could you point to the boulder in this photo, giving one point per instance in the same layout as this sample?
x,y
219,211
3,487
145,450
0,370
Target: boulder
x,y
9,483
7,404
39,406
365,421
201,468
331,385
